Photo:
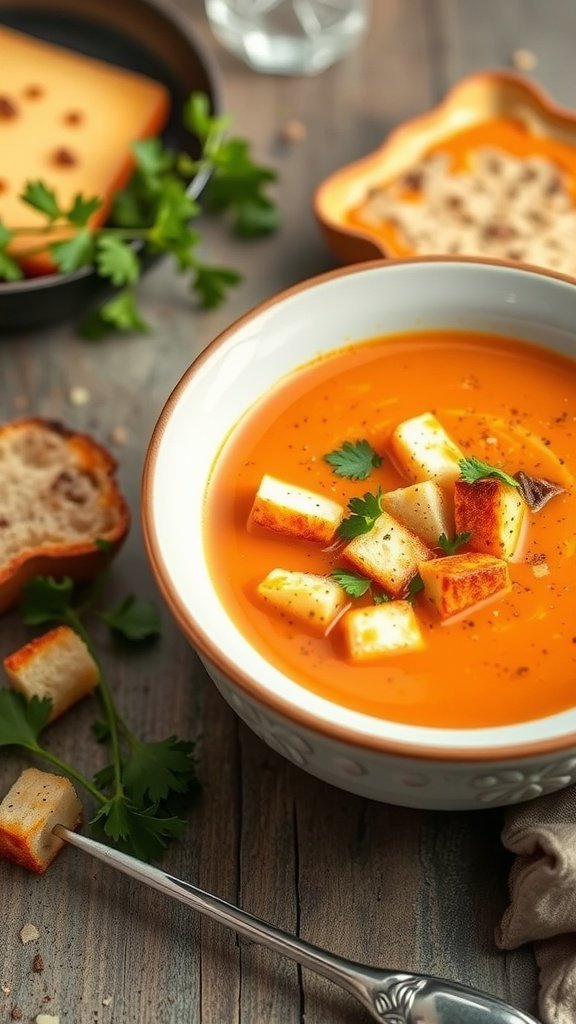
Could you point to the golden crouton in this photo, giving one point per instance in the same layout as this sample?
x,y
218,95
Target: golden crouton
x,y
388,554
422,508
493,512
34,805
424,451
458,582
57,665
310,599
294,511
380,630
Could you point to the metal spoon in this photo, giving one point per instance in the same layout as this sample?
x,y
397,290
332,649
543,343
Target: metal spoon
x,y
392,997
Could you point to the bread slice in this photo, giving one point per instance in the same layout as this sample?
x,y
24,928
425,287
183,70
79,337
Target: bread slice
x,y
379,630
295,511
312,600
33,806
388,553
57,665
58,494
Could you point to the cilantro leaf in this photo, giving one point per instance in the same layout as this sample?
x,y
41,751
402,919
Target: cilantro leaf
x,y
6,235
199,120
211,284
46,600
354,460
119,313
152,158
414,587
254,218
9,268
75,252
142,832
473,469
364,513
380,597
42,198
451,545
22,721
154,770
134,619
117,260
82,209
351,582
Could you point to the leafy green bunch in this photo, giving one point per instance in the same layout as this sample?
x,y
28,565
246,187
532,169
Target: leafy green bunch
x,y
139,794
152,216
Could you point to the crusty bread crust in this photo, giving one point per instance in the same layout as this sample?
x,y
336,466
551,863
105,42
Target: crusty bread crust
x,y
76,554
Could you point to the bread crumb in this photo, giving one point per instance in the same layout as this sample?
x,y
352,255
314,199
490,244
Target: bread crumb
x,y
29,933
78,396
540,569
5,988
119,435
293,130
46,1018
524,60
16,1013
38,964
107,1001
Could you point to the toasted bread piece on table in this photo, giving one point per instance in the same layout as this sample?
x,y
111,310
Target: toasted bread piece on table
x,y
294,511
388,553
33,806
382,629
422,508
458,582
493,512
314,600
424,451
58,494
57,665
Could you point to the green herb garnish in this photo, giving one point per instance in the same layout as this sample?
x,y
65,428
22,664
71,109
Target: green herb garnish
x,y
152,215
356,585
473,469
364,513
451,545
134,794
415,586
354,460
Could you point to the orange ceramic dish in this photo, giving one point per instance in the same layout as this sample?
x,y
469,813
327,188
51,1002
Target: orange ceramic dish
x,y
505,402
492,112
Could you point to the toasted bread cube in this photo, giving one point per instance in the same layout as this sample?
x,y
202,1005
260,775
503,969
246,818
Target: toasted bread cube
x,y
458,582
36,803
57,665
424,451
380,630
295,511
422,508
314,600
388,554
493,512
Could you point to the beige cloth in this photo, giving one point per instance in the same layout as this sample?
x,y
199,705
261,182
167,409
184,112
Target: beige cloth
x,y
542,908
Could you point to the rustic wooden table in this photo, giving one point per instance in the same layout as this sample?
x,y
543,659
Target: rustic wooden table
x,y
398,887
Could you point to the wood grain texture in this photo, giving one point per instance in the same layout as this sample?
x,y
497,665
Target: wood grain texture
x,y
385,885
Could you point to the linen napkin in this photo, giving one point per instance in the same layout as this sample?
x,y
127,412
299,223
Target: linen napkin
x,y
542,908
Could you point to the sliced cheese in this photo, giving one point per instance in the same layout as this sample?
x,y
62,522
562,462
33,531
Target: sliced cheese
x,y
70,121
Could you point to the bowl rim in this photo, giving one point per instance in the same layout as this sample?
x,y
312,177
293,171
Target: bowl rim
x,y
538,93
203,643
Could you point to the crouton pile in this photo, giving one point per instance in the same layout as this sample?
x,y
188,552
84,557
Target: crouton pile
x,y
401,551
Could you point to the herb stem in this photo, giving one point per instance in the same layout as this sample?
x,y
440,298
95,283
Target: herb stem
x,y
107,703
69,770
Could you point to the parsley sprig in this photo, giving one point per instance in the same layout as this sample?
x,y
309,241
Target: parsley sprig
x,y
473,469
355,460
452,544
152,216
134,794
364,512
355,585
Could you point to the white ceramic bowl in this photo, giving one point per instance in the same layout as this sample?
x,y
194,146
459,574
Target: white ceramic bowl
x,y
403,764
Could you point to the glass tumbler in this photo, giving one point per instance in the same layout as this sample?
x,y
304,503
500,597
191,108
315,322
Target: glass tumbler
x,y
288,37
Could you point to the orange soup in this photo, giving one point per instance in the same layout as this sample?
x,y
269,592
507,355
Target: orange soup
x,y
507,403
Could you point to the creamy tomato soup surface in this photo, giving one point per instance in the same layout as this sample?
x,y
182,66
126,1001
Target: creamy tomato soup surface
x,y
475,628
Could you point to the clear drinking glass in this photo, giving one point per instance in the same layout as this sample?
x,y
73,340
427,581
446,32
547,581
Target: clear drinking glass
x,y
288,37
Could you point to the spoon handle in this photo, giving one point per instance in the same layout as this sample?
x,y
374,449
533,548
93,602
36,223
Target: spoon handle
x,y
391,997
343,972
